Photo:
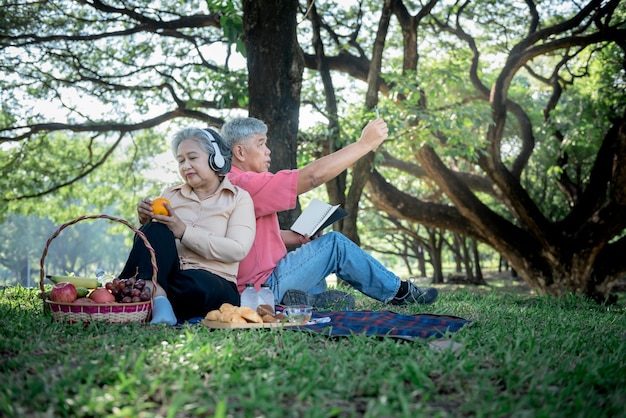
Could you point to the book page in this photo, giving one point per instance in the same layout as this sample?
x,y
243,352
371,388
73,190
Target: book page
x,y
313,217
335,214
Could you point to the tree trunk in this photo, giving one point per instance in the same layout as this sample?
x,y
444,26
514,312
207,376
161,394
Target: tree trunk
x,y
502,264
421,261
456,251
467,260
436,243
364,166
478,272
336,187
275,67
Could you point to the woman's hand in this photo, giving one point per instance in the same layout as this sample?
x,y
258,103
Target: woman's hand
x,y
144,210
173,222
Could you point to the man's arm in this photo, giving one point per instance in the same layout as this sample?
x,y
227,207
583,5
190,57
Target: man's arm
x,y
330,166
292,239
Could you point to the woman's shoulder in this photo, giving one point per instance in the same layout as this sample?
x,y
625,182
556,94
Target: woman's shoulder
x,y
172,190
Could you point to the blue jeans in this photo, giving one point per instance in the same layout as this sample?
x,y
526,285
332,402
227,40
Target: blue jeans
x,y
307,268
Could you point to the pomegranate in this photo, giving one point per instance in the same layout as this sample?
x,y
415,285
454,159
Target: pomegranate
x,y
64,292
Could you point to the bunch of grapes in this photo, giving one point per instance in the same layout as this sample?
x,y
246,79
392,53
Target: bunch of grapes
x,y
129,290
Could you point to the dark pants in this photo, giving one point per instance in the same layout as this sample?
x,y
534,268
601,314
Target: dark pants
x,y
192,293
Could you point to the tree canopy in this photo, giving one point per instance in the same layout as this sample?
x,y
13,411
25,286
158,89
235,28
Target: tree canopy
x,y
508,118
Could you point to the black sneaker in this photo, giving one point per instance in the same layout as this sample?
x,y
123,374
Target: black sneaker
x,y
328,300
423,295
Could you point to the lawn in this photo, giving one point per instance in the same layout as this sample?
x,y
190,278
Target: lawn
x,y
522,356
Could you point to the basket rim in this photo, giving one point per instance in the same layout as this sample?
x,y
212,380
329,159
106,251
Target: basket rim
x,y
51,302
93,313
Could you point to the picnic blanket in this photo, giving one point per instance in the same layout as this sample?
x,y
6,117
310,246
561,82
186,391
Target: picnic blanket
x,y
384,324
378,324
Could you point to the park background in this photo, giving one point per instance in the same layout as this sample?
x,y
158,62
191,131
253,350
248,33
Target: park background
x,y
502,183
506,142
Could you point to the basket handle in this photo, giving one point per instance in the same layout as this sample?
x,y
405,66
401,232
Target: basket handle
x,y
103,216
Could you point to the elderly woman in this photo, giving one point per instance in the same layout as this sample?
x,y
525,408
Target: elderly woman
x,y
198,245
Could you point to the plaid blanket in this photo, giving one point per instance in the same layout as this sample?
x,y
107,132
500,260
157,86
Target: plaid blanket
x,y
384,324
379,324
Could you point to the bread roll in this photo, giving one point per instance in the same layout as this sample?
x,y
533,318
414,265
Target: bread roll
x,y
227,307
213,315
243,309
236,319
227,316
249,315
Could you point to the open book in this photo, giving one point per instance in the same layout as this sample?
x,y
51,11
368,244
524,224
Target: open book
x,y
317,216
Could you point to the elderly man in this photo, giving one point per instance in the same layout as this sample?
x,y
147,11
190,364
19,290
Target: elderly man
x,y
300,276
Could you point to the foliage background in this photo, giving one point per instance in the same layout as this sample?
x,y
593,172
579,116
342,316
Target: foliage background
x,y
91,92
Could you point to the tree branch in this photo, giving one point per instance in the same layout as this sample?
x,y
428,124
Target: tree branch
x,y
472,181
23,132
401,205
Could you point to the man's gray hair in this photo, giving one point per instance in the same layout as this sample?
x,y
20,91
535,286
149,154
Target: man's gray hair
x,y
240,130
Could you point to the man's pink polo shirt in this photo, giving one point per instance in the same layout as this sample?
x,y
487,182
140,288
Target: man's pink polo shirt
x,y
271,193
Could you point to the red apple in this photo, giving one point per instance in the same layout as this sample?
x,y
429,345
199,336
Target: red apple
x,y
63,292
101,295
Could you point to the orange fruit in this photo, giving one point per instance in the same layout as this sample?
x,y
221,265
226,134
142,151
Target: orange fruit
x,y
158,208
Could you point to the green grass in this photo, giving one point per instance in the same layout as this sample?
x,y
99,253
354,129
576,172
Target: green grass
x,y
522,356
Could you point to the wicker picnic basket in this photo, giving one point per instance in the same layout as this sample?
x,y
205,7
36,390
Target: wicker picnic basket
x,y
109,312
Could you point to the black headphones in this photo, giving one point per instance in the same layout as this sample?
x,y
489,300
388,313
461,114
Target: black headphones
x,y
216,160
